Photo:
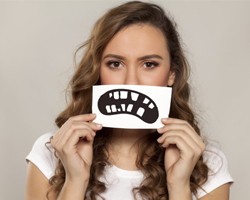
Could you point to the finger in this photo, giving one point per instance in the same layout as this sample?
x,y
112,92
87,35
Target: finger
x,y
83,117
84,134
61,138
77,126
183,127
167,121
186,151
64,133
81,125
175,124
78,118
77,135
196,146
95,126
179,142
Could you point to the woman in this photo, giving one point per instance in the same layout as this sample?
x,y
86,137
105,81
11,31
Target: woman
x,y
134,43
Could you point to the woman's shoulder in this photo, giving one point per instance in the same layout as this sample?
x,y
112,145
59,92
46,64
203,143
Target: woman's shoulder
x,y
43,138
42,155
42,143
215,158
218,169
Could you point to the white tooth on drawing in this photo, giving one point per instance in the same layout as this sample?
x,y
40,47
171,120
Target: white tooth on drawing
x,y
113,108
108,109
118,109
134,96
124,94
145,101
140,111
151,105
116,95
129,108
123,107
110,95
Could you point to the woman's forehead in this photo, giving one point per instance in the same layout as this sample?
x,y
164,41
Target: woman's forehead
x,y
138,39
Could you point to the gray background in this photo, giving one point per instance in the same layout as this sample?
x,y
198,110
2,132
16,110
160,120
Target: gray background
x,y
37,42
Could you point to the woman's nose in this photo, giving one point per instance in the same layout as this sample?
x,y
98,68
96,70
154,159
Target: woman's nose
x,y
132,77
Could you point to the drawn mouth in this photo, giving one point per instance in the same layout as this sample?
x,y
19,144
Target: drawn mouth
x,y
124,101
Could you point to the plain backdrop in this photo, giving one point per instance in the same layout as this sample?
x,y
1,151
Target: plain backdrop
x,y
37,43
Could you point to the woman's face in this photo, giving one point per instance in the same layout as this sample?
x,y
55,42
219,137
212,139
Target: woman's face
x,y
137,55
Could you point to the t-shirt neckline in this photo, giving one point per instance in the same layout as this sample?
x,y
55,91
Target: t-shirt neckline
x,y
125,173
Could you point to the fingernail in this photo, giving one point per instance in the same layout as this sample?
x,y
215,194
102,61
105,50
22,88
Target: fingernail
x,y
164,119
159,130
99,125
159,140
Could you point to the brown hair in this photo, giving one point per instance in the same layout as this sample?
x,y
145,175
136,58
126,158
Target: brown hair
x,y
150,163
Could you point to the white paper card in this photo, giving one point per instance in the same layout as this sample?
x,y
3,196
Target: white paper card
x,y
131,106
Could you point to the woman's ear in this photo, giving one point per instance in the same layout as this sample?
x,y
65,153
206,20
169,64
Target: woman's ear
x,y
171,78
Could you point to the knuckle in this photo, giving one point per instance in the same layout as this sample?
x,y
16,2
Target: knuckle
x,y
70,119
57,149
191,155
87,130
186,125
52,141
53,144
198,152
178,137
65,150
202,148
72,127
86,123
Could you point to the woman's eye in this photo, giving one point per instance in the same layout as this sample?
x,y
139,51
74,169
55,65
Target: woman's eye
x,y
151,64
114,64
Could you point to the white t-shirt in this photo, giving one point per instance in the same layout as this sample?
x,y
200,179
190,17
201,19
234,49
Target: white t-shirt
x,y
120,182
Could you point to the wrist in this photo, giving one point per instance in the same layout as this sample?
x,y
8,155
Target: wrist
x,y
73,189
78,182
77,177
179,192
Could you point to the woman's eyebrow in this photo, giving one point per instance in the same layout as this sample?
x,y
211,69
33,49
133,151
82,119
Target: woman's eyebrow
x,y
140,58
150,57
114,56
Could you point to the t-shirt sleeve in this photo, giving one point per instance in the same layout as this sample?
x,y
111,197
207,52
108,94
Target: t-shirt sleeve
x,y
42,156
218,170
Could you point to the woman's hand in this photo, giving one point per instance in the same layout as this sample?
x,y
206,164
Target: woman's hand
x,y
183,148
73,145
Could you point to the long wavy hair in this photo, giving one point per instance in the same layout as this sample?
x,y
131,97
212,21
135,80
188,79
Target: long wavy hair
x,y
150,159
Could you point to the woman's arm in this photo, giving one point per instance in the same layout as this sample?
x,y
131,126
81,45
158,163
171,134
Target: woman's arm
x,y
73,190
73,144
183,148
37,185
220,193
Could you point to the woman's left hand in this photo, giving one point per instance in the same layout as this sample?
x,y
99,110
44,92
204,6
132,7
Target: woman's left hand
x,y
183,148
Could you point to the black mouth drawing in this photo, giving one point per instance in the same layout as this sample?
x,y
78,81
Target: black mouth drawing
x,y
124,101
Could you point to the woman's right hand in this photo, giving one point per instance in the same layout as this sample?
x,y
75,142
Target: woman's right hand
x,y
73,144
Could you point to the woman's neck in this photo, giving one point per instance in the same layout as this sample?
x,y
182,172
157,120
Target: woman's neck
x,y
123,147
